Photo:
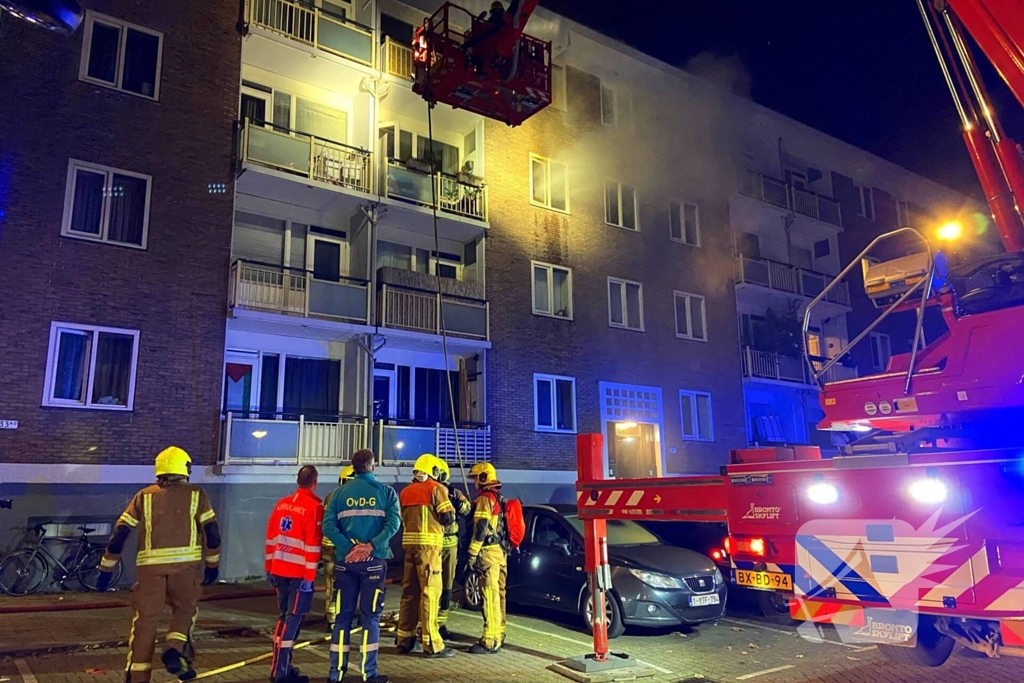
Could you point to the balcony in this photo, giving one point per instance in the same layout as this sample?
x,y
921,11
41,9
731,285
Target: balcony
x,y
292,291
304,155
314,27
276,439
791,369
419,310
778,193
460,195
406,440
396,59
783,277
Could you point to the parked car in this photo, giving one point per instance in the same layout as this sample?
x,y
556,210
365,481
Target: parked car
x,y
653,583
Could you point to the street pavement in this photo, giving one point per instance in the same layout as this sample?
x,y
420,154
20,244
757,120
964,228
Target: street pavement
x,y
88,647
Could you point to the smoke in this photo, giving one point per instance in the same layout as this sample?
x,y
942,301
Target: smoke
x,y
726,72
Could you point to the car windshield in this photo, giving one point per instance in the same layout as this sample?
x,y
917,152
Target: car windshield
x,y
620,532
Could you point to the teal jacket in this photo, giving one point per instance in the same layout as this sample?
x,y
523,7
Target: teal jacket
x,y
362,511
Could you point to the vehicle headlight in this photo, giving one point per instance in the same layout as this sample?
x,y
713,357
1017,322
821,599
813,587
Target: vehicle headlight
x,y
656,580
719,579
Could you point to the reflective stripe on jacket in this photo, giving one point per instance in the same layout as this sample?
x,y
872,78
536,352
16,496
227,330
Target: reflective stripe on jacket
x,y
423,504
362,510
293,536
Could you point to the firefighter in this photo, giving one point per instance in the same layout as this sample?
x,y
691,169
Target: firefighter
x,y
360,520
327,555
293,552
177,532
450,545
426,511
488,556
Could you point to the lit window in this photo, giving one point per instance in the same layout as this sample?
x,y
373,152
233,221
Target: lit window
x,y
91,367
549,184
106,204
695,415
123,56
691,321
620,206
554,403
684,223
552,290
625,304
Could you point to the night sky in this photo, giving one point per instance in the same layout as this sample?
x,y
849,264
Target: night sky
x,y
862,71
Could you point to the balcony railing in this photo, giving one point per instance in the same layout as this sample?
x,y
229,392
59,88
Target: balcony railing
x,y
786,278
408,440
305,155
782,368
396,59
253,438
293,291
314,27
778,193
409,308
454,195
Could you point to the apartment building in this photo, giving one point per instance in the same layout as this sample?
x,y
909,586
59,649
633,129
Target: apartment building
x,y
115,204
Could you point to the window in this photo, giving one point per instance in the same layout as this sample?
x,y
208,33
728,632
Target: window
x,y
822,249
122,56
106,204
902,214
620,206
749,245
548,532
558,98
691,321
549,184
881,351
684,223
616,107
552,290
91,367
554,404
625,304
405,257
866,207
695,414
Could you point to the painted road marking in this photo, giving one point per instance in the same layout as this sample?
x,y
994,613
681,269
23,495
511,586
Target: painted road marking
x,y
26,673
751,624
765,672
589,646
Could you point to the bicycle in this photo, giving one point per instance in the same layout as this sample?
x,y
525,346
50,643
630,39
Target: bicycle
x,y
26,569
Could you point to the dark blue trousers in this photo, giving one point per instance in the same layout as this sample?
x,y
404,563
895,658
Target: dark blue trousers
x,y
362,582
293,605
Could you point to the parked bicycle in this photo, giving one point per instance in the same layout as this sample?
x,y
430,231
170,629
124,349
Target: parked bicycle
x,y
28,568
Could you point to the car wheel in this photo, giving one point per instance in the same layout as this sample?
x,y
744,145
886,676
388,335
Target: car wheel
x,y
774,606
612,614
472,593
932,648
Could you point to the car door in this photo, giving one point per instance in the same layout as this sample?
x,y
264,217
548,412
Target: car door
x,y
551,569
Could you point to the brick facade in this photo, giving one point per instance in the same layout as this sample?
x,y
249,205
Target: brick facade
x,y
173,292
587,348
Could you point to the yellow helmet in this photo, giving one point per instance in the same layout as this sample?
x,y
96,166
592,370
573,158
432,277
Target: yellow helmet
x,y
443,471
483,473
173,460
427,464
347,472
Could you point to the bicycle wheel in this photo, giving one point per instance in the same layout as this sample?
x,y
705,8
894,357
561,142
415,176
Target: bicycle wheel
x,y
22,572
88,569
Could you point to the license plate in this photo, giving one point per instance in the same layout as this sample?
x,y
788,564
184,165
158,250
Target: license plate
x,y
773,580
702,600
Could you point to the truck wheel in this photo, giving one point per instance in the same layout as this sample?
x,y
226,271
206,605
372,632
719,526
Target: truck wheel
x,y
774,606
932,648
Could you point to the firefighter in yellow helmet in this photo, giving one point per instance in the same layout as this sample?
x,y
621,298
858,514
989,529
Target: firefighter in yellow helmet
x,y
450,545
327,554
178,532
488,558
426,511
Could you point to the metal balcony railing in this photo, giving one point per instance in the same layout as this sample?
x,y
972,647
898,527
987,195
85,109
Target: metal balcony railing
x,y
409,308
293,291
406,440
315,27
396,59
304,155
454,195
786,278
778,193
256,438
782,368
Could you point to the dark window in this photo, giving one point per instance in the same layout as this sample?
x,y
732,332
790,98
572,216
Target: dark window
x,y
141,54
748,245
269,367
395,29
433,403
311,387
821,249
103,52
254,108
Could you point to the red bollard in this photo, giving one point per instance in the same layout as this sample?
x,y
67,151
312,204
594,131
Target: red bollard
x,y
590,467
